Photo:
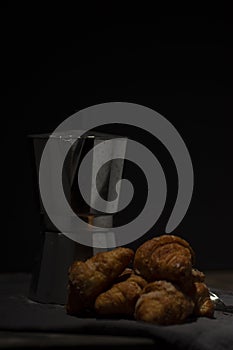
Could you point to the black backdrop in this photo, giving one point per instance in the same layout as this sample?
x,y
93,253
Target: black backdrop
x,y
60,60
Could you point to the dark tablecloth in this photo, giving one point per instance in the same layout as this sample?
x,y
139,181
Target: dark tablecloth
x,y
18,313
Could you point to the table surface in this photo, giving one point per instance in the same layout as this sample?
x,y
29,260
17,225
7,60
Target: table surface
x,y
221,279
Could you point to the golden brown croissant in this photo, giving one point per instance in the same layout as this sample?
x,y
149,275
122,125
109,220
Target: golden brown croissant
x,y
188,285
204,306
121,298
88,279
163,303
166,257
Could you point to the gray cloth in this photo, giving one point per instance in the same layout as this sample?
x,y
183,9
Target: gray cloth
x,y
18,313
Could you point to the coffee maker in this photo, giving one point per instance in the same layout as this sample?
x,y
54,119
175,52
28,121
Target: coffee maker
x,y
56,251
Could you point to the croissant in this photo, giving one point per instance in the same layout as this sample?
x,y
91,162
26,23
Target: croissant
x,y
166,257
204,306
88,279
121,298
188,285
163,303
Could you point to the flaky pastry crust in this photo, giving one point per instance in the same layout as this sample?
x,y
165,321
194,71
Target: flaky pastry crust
x,y
163,303
88,279
121,298
166,257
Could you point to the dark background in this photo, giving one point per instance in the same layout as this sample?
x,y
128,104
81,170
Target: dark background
x,y
59,60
